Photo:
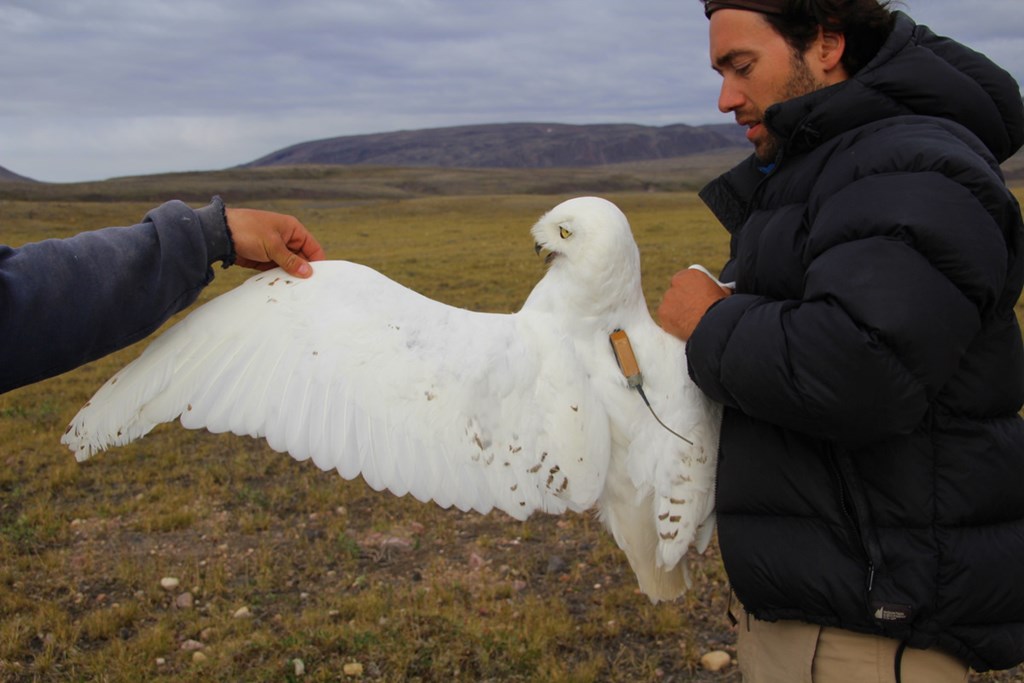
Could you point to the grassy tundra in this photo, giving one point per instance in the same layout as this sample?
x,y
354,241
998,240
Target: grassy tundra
x,y
277,561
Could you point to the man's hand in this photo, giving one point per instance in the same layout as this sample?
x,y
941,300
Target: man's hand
x,y
688,298
264,239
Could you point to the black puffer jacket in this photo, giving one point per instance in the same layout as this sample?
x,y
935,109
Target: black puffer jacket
x,y
872,461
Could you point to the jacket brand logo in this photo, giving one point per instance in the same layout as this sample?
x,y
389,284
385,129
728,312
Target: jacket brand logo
x,y
889,612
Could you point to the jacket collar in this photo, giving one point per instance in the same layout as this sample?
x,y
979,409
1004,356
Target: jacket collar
x,y
728,196
914,72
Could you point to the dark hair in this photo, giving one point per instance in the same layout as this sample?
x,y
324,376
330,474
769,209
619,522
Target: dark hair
x,y
865,23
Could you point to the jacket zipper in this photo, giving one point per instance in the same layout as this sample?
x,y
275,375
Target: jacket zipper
x,y
849,508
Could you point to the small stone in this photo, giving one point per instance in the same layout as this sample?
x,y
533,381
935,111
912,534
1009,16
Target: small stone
x,y
184,601
300,667
716,660
198,657
169,583
160,661
476,561
556,564
191,645
352,669
242,613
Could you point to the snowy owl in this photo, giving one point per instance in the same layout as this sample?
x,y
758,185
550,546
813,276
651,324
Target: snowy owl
x,y
520,412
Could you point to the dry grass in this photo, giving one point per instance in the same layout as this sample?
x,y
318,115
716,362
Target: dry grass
x,y
331,573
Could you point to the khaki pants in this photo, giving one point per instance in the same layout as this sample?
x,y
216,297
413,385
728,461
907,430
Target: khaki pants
x,y
796,652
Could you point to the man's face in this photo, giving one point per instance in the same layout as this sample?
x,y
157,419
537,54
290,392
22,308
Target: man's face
x,y
758,69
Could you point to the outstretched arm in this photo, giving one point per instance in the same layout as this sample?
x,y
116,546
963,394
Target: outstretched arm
x,y
67,302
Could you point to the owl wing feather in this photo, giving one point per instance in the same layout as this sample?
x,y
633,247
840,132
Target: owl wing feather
x,y
362,375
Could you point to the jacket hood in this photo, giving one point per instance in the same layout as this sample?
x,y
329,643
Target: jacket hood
x,y
915,72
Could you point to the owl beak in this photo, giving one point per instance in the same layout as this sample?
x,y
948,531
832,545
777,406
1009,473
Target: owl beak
x,y
549,257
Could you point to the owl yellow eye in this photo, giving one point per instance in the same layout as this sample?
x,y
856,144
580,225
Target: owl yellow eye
x,y
565,232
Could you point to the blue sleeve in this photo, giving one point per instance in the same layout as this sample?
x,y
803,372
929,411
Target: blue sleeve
x,y
65,302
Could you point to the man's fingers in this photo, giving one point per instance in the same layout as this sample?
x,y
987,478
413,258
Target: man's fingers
x,y
310,248
698,280
289,260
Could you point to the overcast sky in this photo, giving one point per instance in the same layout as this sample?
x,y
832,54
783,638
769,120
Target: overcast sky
x,y
93,89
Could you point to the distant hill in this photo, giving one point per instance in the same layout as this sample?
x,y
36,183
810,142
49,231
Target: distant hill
x,y
512,145
363,182
11,176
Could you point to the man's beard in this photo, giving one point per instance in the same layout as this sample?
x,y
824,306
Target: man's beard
x,y
801,81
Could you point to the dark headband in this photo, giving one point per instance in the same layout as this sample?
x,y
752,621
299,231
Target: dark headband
x,y
762,6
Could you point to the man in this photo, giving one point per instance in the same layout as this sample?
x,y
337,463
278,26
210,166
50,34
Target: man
x,y
66,302
871,472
